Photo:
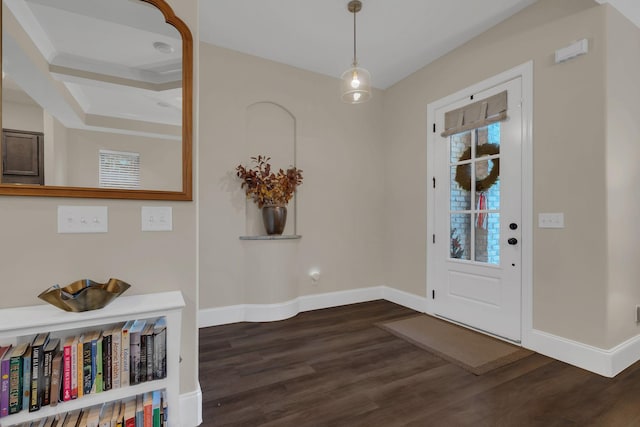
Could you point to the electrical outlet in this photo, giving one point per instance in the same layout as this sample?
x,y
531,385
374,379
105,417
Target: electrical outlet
x,y
82,219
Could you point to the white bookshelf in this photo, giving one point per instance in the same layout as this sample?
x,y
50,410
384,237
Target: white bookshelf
x,y
23,323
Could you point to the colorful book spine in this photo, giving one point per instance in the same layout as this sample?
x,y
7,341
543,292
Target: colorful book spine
x,y
67,367
135,336
77,390
155,407
56,378
160,348
37,370
107,374
26,379
16,375
149,347
86,366
50,351
5,362
125,365
96,364
116,354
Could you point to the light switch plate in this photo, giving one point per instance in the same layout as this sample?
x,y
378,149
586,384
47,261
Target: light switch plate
x,y
157,218
82,219
551,220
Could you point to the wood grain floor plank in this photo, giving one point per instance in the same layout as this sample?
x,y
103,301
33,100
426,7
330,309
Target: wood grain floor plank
x,y
335,367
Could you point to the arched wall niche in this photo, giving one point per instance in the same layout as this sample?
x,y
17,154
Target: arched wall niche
x,y
271,131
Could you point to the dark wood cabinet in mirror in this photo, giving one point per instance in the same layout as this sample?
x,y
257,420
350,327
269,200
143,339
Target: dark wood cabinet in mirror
x,y
108,85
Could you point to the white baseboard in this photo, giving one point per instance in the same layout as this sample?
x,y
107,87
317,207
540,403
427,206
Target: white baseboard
x,y
272,312
405,299
280,311
191,408
608,363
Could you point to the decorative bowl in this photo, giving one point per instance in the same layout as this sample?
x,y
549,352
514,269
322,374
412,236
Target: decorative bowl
x,y
84,295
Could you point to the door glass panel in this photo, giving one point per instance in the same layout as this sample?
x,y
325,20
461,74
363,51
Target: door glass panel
x,y
475,158
488,135
460,237
459,143
460,198
487,175
487,237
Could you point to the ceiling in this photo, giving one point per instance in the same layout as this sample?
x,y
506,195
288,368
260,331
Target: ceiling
x,y
394,38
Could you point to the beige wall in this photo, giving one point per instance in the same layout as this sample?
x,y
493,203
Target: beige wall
x,y
623,175
570,264
34,256
339,205
19,116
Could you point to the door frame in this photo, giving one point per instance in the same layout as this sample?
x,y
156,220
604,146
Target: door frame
x,y
525,72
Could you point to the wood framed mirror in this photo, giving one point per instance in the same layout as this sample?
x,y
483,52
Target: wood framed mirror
x,y
97,98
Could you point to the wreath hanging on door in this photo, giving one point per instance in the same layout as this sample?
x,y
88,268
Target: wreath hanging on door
x,y
463,172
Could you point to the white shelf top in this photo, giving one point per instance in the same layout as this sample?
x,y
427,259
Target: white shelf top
x,y
48,316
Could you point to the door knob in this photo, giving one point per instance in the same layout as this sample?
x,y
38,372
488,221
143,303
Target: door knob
x,y
513,226
512,241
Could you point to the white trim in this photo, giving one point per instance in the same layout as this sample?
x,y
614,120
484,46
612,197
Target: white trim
x,y
405,299
191,408
607,363
272,312
525,72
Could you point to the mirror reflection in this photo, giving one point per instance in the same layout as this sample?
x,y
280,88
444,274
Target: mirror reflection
x,y
91,95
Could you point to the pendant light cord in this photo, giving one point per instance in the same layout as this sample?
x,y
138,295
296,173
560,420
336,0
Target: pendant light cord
x,y
355,62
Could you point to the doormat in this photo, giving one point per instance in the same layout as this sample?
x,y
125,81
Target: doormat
x,y
473,351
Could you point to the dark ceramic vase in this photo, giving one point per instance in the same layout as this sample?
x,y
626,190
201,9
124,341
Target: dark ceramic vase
x,y
274,218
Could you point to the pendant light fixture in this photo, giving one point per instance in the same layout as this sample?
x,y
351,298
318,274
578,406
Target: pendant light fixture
x,y
356,81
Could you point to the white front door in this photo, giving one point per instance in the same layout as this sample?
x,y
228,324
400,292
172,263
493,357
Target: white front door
x,y
477,220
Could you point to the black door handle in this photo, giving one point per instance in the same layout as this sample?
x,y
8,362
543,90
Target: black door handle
x,y
512,241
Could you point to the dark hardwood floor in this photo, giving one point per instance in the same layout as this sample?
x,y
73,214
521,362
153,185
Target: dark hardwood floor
x,y
334,367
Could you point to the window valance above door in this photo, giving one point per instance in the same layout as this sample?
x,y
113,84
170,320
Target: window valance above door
x,y
481,113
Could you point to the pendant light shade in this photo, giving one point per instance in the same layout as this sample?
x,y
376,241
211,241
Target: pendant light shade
x,y
356,81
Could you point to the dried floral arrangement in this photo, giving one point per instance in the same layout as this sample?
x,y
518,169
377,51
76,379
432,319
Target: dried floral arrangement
x,y
265,187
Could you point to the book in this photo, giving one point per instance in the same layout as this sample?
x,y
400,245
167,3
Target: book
x,y
147,409
130,412
164,409
4,381
146,353
26,379
160,348
105,415
72,418
82,419
67,367
16,377
56,378
96,365
107,375
116,355
49,351
93,420
88,363
116,416
51,421
37,370
135,368
126,357
77,374
139,411
155,408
